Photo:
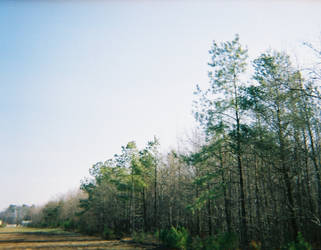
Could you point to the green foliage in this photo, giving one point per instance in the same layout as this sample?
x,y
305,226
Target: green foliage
x,y
108,234
51,215
175,238
215,107
195,243
124,180
227,241
299,244
224,241
139,237
69,224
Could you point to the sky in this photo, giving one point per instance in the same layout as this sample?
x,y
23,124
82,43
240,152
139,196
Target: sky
x,y
79,79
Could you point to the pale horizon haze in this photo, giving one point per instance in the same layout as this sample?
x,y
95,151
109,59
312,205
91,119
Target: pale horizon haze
x,y
79,79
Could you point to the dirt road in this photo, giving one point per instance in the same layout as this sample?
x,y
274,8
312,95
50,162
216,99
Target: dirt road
x,y
31,238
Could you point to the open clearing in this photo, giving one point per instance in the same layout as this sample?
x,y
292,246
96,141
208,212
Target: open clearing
x,y
34,238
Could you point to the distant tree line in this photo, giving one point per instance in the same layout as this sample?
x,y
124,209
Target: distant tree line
x,y
252,170
15,214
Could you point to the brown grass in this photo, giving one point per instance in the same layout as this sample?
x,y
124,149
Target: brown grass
x,y
31,238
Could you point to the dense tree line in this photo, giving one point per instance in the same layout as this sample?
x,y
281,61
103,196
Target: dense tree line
x,y
252,170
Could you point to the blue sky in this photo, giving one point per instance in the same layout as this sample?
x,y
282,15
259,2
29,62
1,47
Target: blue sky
x,y
79,79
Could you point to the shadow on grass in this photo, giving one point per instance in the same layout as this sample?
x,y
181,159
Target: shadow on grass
x,y
55,232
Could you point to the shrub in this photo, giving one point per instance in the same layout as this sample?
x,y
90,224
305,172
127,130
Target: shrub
x,y
194,243
175,238
108,233
180,239
68,224
139,237
299,244
225,241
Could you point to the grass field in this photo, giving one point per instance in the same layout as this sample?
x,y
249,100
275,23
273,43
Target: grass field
x,y
32,238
